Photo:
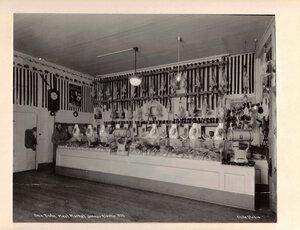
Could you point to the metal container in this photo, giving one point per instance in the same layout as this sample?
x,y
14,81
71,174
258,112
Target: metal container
x,y
240,135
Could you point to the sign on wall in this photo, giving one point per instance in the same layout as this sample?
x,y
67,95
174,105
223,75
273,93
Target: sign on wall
x,y
75,95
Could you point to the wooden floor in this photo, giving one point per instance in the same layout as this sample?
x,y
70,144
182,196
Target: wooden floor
x,y
42,196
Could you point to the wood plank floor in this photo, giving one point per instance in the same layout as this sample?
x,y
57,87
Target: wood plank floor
x,y
42,196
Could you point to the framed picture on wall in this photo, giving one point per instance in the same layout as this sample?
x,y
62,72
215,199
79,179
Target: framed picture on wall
x,y
75,95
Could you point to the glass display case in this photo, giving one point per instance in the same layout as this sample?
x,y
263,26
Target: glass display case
x,y
167,147
122,141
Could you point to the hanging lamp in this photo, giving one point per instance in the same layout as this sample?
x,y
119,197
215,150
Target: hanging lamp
x,y
135,79
179,74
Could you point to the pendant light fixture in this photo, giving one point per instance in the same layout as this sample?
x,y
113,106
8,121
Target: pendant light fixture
x,y
135,79
179,74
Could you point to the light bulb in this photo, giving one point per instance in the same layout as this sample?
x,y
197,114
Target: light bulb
x,y
135,80
178,77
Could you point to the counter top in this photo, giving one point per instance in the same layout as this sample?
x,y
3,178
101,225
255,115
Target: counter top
x,y
182,153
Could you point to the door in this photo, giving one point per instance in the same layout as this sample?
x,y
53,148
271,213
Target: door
x,y
44,132
23,158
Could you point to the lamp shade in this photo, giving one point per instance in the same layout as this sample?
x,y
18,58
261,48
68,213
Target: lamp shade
x,y
178,76
135,80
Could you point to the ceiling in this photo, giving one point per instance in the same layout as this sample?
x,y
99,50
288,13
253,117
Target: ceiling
x,y
74,40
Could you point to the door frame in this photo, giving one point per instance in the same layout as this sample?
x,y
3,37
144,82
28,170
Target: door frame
x,y
32,113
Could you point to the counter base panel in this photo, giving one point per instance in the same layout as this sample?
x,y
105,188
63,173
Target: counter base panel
x,y
231,199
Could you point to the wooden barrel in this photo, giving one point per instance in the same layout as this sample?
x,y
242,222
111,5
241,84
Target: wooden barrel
x,y
240,135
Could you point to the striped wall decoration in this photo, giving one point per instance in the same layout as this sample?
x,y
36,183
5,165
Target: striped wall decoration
x,y
26,89
46,87
200,74
235,73
83,88
65,94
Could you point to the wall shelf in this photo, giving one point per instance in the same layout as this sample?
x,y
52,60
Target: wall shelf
x,y
157,97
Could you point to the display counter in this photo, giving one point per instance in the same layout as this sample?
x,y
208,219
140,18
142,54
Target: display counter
x,y
179,175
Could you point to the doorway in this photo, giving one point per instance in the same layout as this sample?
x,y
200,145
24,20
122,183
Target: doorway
x,y
23,158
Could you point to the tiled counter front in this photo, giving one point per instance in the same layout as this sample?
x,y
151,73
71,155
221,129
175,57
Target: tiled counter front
x,y
195,179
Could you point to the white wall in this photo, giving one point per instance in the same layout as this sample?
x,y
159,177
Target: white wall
x,y
45,122
45,125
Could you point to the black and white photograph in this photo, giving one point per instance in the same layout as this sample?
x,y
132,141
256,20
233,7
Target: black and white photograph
x,y
144,118
149,114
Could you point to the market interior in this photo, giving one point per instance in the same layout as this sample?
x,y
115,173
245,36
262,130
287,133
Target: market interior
x,y
179,109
